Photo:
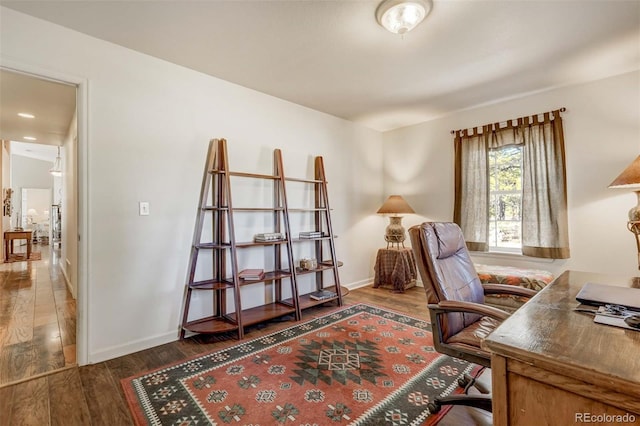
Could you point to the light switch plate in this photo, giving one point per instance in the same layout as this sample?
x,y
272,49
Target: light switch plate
x,y
143,208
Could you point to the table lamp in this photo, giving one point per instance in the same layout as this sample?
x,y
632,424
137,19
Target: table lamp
x,y
394,207
630,179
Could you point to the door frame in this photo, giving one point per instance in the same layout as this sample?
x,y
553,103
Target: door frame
x,y
83,338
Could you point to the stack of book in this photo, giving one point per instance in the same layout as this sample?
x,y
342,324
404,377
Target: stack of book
x,y
269,236
312,234
322,295
251,274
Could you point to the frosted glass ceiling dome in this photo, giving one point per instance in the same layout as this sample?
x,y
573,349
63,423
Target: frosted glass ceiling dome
x,y
401,16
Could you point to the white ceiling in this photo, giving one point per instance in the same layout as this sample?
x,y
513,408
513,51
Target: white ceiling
x,y
34,150
53,105
332,56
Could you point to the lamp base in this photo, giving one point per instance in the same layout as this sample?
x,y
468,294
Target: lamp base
x,y
634,213
394,233
634,227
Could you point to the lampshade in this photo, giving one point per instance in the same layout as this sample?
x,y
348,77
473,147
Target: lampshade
x,y
56,170
32,212
401,16
395,204
630,177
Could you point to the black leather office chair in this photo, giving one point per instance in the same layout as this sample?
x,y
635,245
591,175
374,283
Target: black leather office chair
x,y
455,296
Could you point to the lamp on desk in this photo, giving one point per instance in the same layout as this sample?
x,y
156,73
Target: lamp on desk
x,y
630,179
394,207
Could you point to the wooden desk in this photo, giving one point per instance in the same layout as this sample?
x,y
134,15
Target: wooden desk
x,y
9,236
551,364
395,268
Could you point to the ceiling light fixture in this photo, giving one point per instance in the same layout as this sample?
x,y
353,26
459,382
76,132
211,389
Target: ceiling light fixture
x,y
401,16
56,170
26,115
29,138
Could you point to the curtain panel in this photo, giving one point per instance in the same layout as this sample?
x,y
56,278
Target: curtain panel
x,y
545,230
472,188
545,223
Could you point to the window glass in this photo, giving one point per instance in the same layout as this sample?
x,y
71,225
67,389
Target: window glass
x,y
505,198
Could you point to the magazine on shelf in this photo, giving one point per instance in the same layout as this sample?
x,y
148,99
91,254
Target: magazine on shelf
x,y
251,274
322,295
269,236
311,234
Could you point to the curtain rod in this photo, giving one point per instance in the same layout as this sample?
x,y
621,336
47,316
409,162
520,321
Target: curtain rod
x,y
562,109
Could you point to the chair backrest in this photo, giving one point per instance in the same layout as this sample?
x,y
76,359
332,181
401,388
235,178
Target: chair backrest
x,y
446,270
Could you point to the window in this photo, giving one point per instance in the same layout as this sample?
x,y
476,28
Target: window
x,y
511,188
505,199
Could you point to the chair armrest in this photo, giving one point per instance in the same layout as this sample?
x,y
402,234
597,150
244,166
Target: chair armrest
x,y
447,306
508,289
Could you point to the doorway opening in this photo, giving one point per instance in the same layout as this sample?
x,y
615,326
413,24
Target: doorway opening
x,y
38,319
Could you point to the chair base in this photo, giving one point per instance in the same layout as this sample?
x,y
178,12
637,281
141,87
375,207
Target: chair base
x,y
482,402
467,382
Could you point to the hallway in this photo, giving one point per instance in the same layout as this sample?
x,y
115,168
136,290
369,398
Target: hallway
x,y
37,318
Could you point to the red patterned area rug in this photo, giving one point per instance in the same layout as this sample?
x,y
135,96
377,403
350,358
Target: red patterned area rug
x,y
361,365
21,257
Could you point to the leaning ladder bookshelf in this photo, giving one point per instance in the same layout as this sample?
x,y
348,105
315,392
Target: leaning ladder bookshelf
x,y
324,245
225,282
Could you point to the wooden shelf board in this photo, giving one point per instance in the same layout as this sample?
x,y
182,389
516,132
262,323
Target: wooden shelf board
x,y
307,302
320,267
258,209
211,325
268,276
253,175
214,208
211,285
259,243
326,262
297,240
290,179
265,312
212,246
317,209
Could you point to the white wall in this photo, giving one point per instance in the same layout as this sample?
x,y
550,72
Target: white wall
x,y
5,176
149,123
602,136
28,173
69,200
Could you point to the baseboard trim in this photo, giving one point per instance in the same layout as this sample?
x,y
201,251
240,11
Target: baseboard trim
x,y
67,280
168,337
369,281
358,284
131,347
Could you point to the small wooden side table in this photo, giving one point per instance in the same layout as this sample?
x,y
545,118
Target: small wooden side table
x,y
396,268
9,236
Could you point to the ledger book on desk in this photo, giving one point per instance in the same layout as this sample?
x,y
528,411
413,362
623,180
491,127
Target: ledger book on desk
x,y
601,294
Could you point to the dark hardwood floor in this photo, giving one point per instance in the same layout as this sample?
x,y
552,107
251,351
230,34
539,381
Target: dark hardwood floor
x,y
37,317
92,395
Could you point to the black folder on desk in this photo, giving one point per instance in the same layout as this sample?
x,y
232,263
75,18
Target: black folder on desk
x,y
601,294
